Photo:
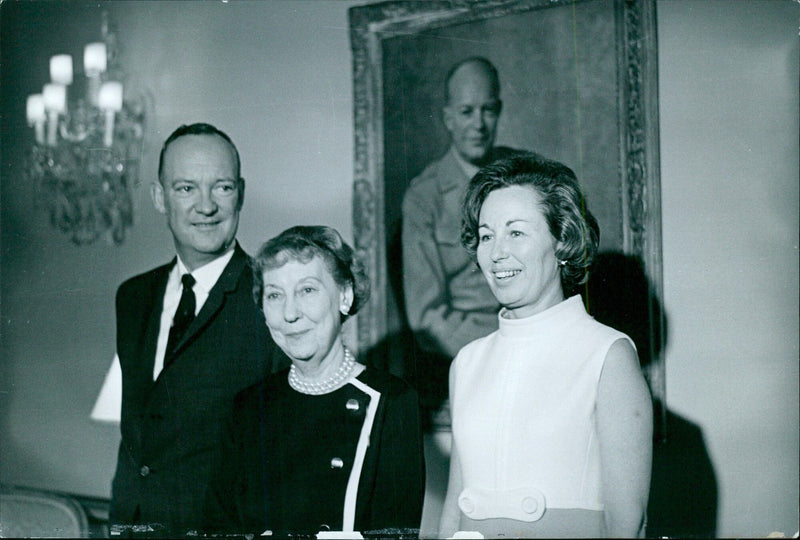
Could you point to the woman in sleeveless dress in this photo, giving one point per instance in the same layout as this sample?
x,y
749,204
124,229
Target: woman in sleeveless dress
x,y
551,416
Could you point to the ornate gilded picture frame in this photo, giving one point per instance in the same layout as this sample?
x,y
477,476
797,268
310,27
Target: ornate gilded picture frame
x,y
579,85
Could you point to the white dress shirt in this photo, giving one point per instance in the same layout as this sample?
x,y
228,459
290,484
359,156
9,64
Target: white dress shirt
x,y
205,278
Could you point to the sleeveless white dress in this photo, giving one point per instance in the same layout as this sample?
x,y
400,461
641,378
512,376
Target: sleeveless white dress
x,y
523,409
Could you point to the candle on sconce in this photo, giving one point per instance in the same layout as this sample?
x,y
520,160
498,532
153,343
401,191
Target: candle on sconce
x,y
54,96
36,115
35,108
61,69
110,97
94,59
94,63
110,101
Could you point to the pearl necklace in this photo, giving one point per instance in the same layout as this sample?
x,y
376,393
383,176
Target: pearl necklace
x,y
305,386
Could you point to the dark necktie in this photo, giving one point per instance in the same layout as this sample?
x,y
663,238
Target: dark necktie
x,y
183,316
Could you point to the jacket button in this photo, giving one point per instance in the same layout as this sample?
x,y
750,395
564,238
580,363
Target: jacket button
x,y
352,405
337,463
529,505
144,471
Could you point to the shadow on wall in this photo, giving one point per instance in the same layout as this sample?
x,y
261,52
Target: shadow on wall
x,y
683,489
398,353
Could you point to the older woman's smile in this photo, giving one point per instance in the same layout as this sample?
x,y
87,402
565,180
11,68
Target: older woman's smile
x,y
297,334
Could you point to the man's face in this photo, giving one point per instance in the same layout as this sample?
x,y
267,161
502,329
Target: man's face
x,y
201,196
471,114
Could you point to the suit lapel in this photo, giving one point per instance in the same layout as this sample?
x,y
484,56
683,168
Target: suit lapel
x,y
138,364
154,322
227,282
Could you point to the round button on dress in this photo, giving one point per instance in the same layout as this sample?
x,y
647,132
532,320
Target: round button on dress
x,y
530,505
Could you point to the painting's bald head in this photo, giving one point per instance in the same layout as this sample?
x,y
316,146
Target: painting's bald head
x,y
472,108
472,70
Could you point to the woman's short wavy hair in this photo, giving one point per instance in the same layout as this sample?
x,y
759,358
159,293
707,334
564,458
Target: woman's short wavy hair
x,y
572,226
304,242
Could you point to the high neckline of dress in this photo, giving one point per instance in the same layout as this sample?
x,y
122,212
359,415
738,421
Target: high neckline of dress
x,y
527,326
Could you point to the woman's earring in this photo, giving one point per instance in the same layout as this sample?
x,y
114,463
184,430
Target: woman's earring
x,y
344,309
562,263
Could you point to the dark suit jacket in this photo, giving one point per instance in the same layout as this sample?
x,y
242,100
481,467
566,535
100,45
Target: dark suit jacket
x,y
171,427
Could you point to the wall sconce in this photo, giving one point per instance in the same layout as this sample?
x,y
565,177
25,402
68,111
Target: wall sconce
x,y
88,134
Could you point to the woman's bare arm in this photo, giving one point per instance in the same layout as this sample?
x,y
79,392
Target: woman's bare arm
x,y
625,432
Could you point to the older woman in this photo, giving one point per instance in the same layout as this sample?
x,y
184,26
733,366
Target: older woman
x,y
552,419
326,444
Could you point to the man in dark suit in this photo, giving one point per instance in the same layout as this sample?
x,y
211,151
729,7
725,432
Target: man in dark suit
x,y
189,337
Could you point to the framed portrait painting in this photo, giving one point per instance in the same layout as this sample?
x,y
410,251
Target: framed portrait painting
x,y
578,84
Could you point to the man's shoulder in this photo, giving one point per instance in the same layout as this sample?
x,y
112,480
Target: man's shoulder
x,y
429,174
239,262
502,152
425,189
238,270
446,164
145,279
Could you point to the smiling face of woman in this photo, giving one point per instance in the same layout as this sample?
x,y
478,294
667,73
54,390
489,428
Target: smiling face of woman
x,y
302,305
516,252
